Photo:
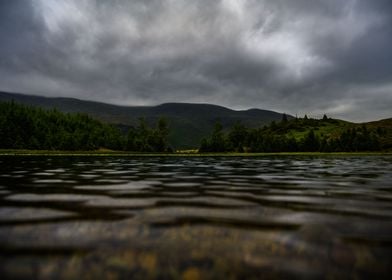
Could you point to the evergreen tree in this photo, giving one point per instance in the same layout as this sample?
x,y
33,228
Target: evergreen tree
x,y
162,134
218,140
284,118
311,142
238,137
273,126
205,147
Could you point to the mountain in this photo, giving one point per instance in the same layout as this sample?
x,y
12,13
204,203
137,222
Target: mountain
x,y
189,123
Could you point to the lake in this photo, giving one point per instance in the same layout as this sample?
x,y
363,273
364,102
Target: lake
x,y
297,217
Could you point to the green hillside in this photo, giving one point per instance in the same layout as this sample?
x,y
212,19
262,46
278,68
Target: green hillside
x,y
385,128
333,128
188,123
302,135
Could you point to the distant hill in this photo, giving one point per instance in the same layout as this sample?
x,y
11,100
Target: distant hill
x,y
333,128
303,135
189,123
386,126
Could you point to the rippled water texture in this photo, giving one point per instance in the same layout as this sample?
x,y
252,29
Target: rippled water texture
x,y
196,218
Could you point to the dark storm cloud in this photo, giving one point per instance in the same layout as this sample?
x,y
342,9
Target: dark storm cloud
x,y
297,56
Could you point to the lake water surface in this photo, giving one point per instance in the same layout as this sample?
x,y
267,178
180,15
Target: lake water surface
x,y
196,218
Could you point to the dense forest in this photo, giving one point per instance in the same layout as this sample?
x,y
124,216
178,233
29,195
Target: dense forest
x,y
26,127
298,135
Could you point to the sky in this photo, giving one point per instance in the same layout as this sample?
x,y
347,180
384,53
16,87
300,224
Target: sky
x,y
294,56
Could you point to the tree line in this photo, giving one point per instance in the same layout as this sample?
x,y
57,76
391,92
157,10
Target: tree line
x,y
27,127
280,137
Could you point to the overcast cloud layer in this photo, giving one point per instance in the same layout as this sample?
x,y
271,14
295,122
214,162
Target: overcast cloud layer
x,y
294,56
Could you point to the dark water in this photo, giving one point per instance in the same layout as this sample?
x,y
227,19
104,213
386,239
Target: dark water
x,y
196,218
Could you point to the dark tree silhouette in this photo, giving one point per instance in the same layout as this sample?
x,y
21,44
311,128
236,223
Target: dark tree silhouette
x,y
25,127
284,118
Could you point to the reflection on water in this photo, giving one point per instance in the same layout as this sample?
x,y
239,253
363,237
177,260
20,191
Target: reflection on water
x,y
196,218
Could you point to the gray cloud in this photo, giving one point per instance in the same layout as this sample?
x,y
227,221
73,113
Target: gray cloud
x,y
296,56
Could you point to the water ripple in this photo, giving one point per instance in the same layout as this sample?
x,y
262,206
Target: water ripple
x,y
332,215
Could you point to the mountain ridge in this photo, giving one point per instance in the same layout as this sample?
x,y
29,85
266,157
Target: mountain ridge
x,y
189,122
6,96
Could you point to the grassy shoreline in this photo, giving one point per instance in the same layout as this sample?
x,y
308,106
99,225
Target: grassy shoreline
x,y
178,154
